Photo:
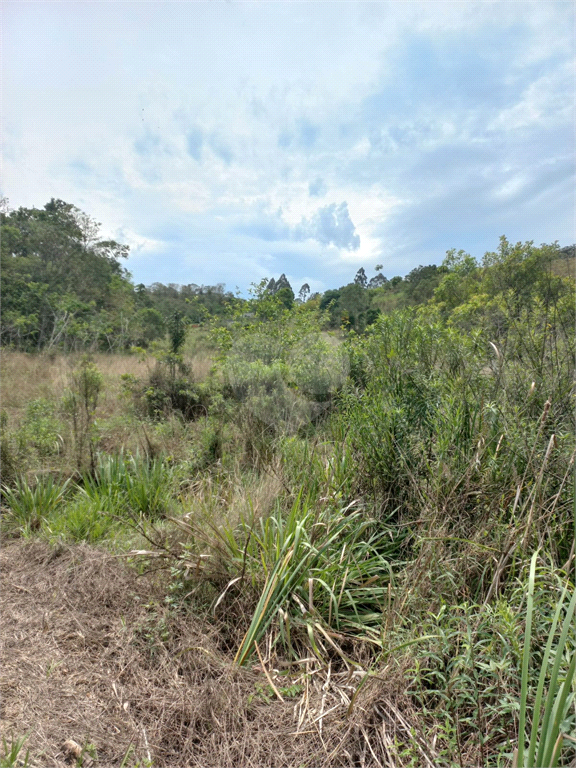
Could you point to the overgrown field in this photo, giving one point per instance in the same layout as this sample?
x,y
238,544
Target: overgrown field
x,y
286,544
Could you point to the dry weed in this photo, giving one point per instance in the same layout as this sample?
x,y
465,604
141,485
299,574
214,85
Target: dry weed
x,y
91,655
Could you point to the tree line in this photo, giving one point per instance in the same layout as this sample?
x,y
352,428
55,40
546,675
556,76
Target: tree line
x,y
64,286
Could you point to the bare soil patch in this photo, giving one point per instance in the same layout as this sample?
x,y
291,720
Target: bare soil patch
x,y
91,654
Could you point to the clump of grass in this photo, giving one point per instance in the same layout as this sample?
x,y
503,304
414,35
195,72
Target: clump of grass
x,y
134,485
11,753
32,504
550,719
327,575
81,520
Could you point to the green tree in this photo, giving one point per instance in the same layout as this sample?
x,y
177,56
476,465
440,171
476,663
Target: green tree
x,y
330,302
361,278
521,273
459,282
354,303
56,272
304,293
176,331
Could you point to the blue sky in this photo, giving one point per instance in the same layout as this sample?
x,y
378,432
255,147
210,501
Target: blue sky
x,y
230,141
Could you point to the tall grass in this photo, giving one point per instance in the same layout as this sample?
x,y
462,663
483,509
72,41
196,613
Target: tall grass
x,y
32,504
550,718
327,576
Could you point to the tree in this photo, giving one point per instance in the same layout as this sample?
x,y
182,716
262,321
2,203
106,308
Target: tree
x,y
377,281
286,297
330,301
521,273
353,304
281,283
422,281
282,290
150,325
460,262
57,274
176,331
304,293
361,278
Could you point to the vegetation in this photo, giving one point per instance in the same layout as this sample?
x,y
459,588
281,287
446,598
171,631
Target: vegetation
x,y
377,481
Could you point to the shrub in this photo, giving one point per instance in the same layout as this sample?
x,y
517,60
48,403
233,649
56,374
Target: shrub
x,y
41,429
80,403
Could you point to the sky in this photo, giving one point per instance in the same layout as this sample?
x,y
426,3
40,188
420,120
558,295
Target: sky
x,y
229,141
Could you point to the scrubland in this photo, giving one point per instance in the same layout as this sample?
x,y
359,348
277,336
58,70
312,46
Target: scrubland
x,y
285,544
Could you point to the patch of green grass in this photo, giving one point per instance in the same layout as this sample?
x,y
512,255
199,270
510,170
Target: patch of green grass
x,y
10,757
325,571
82,520
552,720
32,504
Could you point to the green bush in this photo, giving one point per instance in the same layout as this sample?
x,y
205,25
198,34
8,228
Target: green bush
x,y
41,429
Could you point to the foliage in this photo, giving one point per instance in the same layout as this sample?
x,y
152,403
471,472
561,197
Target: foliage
x,y
349,476
11,753
176,332
41,428
80,403
135,485
31,504
550,726
60,279
326,571
477,679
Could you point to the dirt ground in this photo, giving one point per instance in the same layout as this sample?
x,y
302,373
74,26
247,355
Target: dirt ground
x,y
90,655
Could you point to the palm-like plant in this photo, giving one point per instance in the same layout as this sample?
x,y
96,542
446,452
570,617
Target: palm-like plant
x,y
544,747
30,504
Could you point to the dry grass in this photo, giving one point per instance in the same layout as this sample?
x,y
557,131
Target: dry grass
x,y
232,497
91,654
25,377
200,364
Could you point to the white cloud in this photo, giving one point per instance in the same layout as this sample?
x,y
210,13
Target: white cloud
x,y
186,124
545,101
138,244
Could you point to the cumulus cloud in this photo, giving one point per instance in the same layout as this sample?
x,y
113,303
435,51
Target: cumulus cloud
x,y
452,128
330,225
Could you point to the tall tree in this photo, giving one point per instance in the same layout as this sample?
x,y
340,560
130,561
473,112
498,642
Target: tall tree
x,y
361,278
304,293
377,281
